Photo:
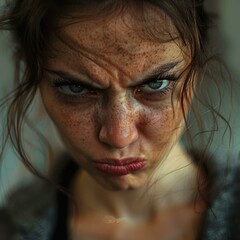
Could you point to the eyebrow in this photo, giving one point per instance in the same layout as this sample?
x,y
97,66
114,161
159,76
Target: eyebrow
x,y
157,71
160,69
153,73
74,79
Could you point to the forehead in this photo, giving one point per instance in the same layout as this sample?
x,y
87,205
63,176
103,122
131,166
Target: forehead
x,y
129,27
132,40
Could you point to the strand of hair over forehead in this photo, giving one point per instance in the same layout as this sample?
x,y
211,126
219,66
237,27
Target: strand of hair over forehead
x,y
191,12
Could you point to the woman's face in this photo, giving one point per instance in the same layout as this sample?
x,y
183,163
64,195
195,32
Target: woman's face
x,y
110,93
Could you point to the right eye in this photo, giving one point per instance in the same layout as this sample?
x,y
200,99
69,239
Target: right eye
x,y
71,88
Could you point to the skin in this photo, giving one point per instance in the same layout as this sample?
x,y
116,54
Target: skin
x,y
120,118
178,223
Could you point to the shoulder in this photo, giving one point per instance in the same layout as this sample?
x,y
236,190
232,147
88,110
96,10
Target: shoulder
x,y
222,217
30,212
27,207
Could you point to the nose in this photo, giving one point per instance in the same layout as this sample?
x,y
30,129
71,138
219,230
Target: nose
x,y
118,128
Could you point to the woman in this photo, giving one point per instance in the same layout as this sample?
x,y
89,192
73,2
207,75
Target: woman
x,y
118,79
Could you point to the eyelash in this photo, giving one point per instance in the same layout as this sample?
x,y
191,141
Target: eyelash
x,y
59,83
171,82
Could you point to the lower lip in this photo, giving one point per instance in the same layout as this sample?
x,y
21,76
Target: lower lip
x,y
120,170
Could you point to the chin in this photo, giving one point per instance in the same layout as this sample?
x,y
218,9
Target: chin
x,y
124,182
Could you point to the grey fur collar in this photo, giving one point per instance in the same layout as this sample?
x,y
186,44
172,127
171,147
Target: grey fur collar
x,y
33,218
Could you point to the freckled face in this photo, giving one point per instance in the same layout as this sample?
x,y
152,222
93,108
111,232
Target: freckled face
x,y
110,94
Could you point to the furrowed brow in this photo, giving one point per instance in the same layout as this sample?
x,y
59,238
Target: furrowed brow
x,y
161,69
157,71
72,78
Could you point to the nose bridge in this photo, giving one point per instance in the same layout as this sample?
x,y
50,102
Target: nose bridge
x,y
119,124
120,109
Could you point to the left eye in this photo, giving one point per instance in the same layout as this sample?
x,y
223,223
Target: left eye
x,y
155,86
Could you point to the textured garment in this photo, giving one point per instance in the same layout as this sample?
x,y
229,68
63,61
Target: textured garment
x,y
223,218
32,213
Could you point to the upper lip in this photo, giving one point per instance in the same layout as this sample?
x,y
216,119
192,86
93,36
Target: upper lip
x,y
119,162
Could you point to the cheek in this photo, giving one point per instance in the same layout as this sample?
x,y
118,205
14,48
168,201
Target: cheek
x,y
75,126
161,124
72,124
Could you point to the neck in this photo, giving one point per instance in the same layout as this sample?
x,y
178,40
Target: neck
x,y
172,184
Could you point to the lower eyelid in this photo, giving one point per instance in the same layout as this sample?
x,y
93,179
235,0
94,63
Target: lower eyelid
x,y
160,92
167,85
69,90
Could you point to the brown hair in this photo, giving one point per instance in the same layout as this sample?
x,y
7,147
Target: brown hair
x,y
32,21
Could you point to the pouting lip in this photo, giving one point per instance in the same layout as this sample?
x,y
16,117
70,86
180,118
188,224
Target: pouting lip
x,y
119,162
120,168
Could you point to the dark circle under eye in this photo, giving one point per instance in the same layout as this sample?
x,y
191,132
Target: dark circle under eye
x,y
155,84
76,88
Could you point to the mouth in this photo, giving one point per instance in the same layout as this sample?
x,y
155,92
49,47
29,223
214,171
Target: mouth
x,y
120,167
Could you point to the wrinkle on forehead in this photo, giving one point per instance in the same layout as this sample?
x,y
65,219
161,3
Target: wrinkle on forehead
x,y
117,47
127,32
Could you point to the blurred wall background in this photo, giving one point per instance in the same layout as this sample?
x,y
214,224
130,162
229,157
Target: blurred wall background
x,y
12,171
229,35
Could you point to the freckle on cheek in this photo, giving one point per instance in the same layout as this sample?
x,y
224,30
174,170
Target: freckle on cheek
x,y
158,122
74,123
70,121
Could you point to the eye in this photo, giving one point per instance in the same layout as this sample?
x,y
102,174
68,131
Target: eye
x,y
72,89
155,85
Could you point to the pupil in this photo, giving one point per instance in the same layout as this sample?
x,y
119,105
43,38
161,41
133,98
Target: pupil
x,y
155,85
